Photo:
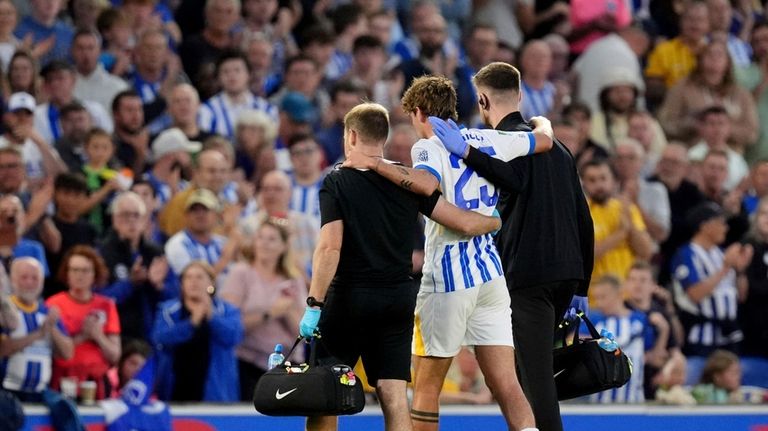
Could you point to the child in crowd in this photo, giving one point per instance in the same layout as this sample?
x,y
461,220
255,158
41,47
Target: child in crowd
x,y
70,194
102,180
632,332
136,407
720,382
115,27
670,382
640,289
134,356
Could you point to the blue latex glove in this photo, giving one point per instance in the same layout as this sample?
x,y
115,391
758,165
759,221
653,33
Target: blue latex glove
x,y
450,135
308,324
577,303
498,216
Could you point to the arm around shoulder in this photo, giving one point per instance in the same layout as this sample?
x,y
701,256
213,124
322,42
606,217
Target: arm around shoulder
x,y
467,223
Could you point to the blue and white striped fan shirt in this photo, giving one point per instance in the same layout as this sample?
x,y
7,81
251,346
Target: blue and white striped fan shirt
x,y
537,101
691,264
220,114
634,335
28,370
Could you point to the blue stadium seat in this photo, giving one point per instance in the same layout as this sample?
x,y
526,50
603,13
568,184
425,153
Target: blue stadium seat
x,y
754,372
694,369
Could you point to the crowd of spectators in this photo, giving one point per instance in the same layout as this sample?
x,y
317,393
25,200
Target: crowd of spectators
x,y
160,164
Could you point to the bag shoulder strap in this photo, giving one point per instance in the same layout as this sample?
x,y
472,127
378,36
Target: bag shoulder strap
x,y
580,317
290,352
312,350
592,330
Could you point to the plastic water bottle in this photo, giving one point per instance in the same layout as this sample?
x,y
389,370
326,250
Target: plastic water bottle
x,y
607,341
276,358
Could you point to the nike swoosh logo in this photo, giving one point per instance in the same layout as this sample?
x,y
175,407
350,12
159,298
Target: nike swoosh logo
x,y
280,396
559,372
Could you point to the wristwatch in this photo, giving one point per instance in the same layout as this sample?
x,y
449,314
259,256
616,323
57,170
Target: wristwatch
x,y
312,302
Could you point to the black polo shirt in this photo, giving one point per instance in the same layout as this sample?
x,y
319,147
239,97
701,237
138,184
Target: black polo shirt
x,y
379,220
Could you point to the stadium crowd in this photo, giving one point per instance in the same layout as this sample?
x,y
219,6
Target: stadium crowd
x,y
152,149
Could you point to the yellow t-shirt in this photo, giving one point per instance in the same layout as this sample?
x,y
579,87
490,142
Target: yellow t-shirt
x,y
671,60
607,219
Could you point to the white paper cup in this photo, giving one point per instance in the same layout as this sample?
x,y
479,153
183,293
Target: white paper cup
x,y
68,387
88,392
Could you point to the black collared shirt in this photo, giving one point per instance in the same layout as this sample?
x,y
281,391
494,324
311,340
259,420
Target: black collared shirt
x,y
379,218
547,233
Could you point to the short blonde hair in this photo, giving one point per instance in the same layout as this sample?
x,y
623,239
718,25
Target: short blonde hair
x,y
254,118
370,121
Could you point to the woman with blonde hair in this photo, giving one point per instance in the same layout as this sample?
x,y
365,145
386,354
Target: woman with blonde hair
x,y
195,338
255,135
270,292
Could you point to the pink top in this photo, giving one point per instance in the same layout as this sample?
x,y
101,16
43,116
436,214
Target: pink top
x,y
585,11
250,293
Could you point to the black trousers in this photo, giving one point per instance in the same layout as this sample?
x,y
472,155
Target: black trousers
x,y
536,311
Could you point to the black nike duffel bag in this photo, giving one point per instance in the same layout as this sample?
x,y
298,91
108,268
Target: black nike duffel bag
x,y
585,368
309,389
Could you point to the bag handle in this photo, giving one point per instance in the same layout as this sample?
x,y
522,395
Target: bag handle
x,y
312,350
290,352
580,317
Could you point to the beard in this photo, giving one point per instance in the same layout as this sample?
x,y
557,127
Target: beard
x,y
430,50
185,171
600,198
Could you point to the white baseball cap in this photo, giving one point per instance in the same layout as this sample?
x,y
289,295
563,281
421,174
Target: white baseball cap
x,y
172,140
20,101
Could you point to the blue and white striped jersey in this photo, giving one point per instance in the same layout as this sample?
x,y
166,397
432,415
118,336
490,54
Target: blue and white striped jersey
x,y
453,261
690,265
537,101
181,249
163,190
634,335
740,51
339,65
28,370
219,114
228,194
306,199
147,90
